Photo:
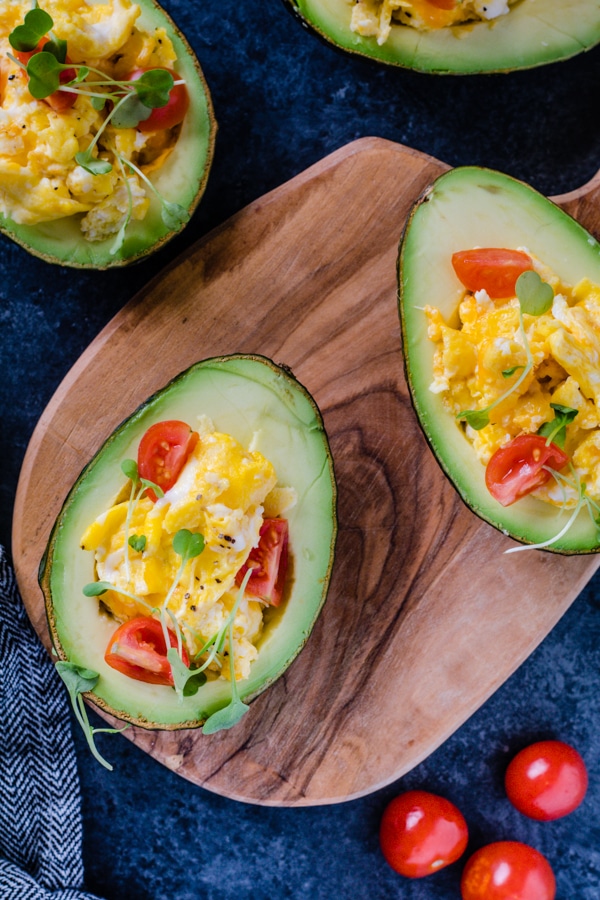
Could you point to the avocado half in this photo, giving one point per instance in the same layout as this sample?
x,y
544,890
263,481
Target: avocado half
x,y
182,178
533,33
465,208
254,400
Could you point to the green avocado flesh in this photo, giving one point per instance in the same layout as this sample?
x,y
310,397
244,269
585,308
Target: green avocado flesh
x,y
181,179
466,208
254,400
533,33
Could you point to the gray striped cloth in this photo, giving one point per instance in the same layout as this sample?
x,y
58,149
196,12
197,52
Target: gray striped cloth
x,y
40,814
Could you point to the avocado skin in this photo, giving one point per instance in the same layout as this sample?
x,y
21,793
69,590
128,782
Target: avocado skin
x,y
530,35
475,207
80,634
181,180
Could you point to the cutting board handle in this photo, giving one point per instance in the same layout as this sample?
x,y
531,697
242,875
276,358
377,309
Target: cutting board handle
x,y
583,204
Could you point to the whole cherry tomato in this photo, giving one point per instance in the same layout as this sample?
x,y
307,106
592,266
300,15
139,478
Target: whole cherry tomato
x,y
546,780
163,452
518,468
173,112
507,870
421,833
491,269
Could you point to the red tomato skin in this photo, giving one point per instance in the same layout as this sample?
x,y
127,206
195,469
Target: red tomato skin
x,y
515,470
491,269
138,650
59,100
507,870
421,833
163,451
173,112
269,562
546,780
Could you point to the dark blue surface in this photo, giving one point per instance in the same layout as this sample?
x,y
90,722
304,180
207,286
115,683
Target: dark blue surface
x,y
283,100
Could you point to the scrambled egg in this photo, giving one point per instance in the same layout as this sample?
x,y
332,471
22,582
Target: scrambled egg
x,y
223,493
375,18
477,361
40,180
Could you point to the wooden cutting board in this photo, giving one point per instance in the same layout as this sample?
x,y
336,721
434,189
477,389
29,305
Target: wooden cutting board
x,y
425,617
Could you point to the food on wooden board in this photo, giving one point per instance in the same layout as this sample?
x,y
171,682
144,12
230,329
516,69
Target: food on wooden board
x,y
193,554
501,330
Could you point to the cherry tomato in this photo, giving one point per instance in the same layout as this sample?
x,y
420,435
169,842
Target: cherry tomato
x,y
173,112
138,649
508,870
546,780
163,452
269,562
516,469
490,269
421,833
59,100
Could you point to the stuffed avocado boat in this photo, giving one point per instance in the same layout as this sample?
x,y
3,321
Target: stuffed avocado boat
x,y
193,554
500,314
456,36
108,130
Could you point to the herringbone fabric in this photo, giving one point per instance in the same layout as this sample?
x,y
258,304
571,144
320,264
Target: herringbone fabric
x,y
40,815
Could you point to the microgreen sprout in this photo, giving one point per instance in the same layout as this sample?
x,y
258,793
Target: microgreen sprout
x,y
231,714
535,298
575,484
173,214
188,545
138,486
97,588
78,681
555,431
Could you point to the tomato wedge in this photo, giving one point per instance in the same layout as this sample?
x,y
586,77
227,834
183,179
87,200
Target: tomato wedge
x,y
59,100
517,469
269,563
173,112
491,269
163,451
138,650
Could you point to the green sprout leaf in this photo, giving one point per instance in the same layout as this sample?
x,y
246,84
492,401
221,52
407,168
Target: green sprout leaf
x,y
188,544
58,49
476,418
96,588
556,430
508,372
146,483
137,542
44,71
153,88
535,296
130,470
187,681
129,112
91,163
174,215
27,36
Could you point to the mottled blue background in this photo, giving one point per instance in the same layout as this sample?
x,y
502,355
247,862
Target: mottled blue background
x,y
283,100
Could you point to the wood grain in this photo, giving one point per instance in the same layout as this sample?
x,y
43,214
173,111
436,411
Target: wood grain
x,y
425,616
